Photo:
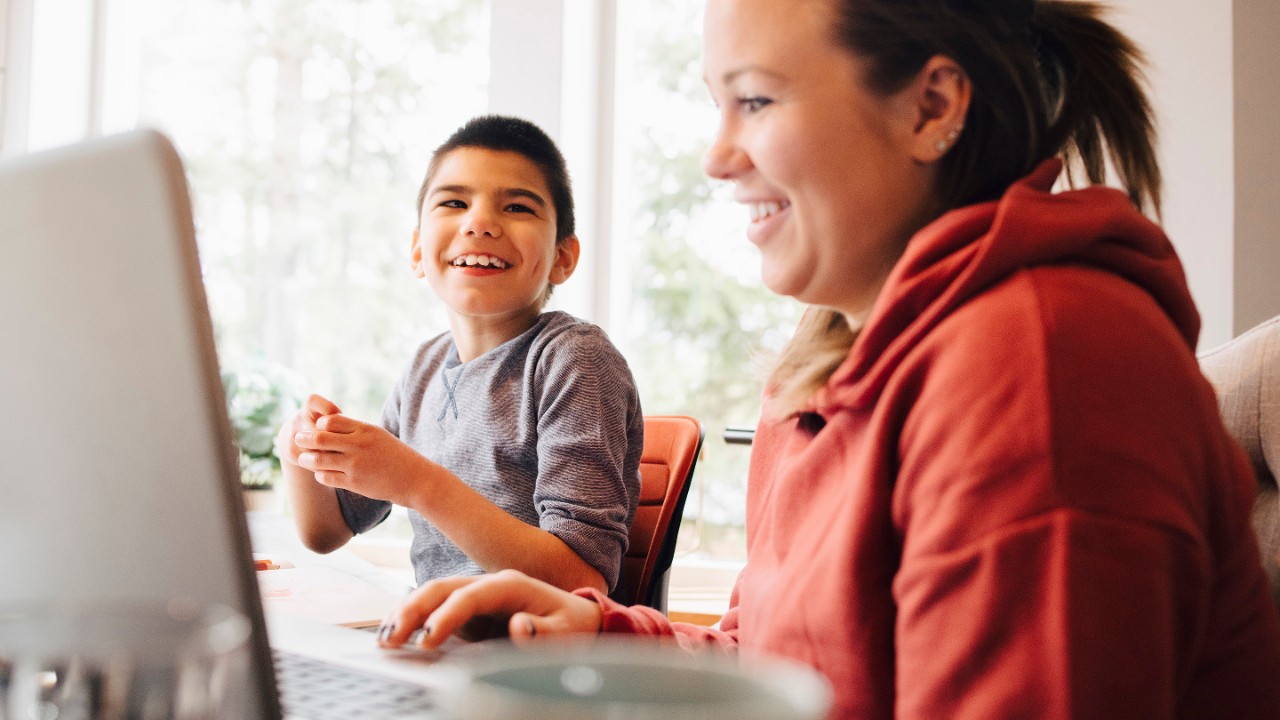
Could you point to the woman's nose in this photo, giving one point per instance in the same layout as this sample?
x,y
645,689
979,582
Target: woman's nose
x,y
724,160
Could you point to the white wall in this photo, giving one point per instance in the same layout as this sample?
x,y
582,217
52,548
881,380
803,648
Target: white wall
x,y
1257,133
5,74
553,62
526,42
1211,70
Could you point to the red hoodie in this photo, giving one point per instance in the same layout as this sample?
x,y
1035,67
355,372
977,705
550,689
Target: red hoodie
x,y
1016,497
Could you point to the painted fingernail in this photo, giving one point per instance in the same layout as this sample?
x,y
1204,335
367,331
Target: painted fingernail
x,y
426,631
528,623
385,631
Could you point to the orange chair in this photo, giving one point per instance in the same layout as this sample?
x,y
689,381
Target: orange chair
x,y
671,447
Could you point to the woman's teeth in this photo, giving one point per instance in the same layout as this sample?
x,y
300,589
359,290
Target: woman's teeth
x,y
760,211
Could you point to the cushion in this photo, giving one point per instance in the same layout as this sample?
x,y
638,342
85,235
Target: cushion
x,y
1246,375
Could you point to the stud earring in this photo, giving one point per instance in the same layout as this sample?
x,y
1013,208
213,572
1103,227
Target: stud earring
x,y
952,134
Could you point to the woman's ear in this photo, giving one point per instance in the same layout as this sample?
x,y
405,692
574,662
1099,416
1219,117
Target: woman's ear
x,y
562,267
415,256
942,92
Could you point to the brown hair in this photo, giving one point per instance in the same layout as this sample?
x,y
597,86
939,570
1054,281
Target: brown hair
x,y
507,133
1050,77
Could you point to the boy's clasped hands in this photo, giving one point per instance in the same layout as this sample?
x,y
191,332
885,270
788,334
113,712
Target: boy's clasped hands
x,y
350,454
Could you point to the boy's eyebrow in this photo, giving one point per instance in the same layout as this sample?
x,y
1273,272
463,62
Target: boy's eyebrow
x,y
510,192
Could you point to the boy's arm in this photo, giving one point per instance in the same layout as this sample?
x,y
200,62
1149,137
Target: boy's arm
x,y
315,508
366,459
497,540
590,437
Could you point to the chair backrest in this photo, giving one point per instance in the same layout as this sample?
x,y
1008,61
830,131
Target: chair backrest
x,y
671,447
1246,375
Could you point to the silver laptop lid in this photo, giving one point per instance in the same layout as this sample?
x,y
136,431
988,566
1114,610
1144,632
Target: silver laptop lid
x,y
120,476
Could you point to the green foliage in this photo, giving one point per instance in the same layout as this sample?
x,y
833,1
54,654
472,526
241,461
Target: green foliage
x,y
306,128
260,397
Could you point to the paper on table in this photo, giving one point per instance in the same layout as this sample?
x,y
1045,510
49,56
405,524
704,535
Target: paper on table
x,y
324,594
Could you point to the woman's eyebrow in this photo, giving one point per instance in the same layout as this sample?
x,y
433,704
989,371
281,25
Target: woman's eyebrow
x,y
753,69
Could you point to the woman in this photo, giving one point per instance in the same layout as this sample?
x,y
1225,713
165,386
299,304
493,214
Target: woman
x,y
990,480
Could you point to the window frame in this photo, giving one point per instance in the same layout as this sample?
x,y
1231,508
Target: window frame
x,y
553,61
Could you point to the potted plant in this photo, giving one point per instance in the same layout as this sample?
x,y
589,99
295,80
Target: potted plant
x,y
260,397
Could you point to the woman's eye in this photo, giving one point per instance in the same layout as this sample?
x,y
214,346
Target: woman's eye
x,y
753,104
453,204
521,208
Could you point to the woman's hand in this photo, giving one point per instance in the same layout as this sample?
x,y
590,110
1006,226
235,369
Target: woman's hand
x,y
529,608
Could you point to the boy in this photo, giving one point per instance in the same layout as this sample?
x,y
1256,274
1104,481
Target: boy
x,y
514,440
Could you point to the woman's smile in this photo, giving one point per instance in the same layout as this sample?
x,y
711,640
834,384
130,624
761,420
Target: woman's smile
x,y
766,218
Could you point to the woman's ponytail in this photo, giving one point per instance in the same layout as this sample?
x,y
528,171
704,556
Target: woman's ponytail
x,y
1050,77
1100,116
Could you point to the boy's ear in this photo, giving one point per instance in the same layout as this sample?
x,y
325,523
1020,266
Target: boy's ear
x,y
941,95
566,260
415,256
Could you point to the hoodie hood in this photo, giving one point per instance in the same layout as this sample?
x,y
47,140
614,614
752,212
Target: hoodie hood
x,y
968,250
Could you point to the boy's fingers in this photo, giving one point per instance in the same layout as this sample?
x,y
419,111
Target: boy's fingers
x,y
331,478
338,423
321,440
318,461
318,406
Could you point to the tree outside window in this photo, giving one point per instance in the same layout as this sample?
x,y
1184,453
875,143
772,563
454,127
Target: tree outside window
x,y
700,328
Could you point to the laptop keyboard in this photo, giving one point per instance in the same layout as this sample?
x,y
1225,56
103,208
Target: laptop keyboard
x,y
317,690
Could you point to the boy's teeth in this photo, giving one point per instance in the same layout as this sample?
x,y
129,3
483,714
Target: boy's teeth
x,y
479,260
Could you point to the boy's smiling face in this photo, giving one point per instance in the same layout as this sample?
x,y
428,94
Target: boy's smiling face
x,y
486,238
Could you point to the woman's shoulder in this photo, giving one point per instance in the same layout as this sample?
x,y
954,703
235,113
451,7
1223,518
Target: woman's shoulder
x,y
1059,312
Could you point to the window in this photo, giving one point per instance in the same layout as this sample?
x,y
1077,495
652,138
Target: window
x,y
692,316
306,126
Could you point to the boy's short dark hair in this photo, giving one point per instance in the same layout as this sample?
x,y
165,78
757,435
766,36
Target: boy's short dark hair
x,y
512,134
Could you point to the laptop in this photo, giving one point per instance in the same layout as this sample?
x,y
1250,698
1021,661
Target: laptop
x,y
120,474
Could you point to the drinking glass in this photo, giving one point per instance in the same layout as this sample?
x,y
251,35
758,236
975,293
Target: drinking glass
x,y
174,659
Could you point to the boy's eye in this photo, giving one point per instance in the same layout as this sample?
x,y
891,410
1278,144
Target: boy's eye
x,y
753,104
521,208
453,204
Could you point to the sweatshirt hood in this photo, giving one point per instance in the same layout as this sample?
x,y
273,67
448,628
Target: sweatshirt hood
x,y
970,249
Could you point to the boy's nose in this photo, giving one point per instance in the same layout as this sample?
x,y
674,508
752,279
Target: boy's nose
x,y
480,223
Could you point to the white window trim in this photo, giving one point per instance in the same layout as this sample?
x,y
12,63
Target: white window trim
x,y
553,62
15,84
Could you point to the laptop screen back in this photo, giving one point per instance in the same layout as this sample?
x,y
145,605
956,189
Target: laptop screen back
x,y
120,474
